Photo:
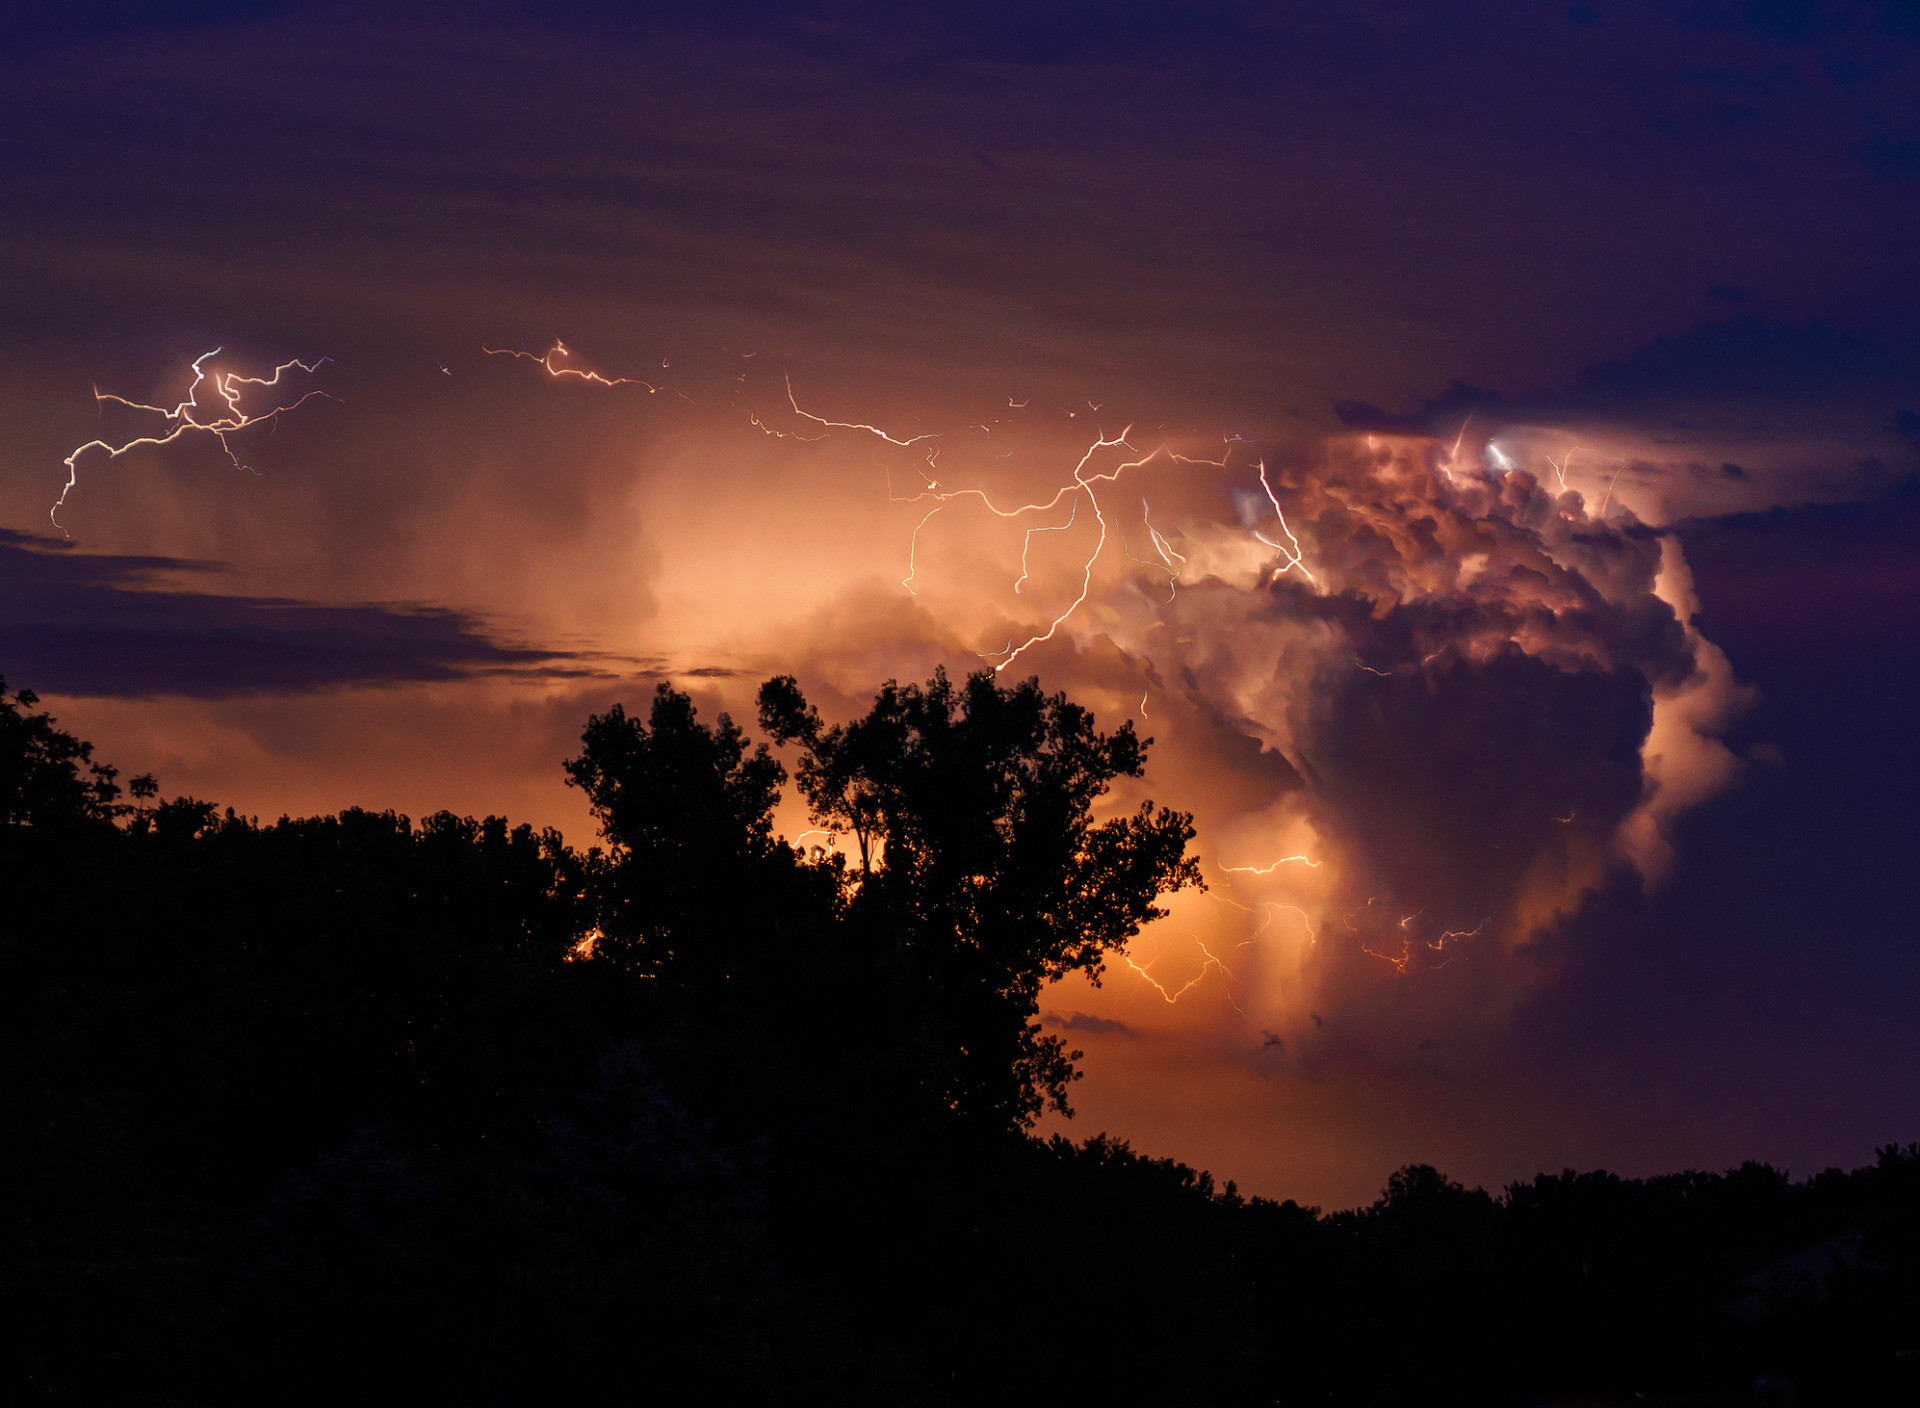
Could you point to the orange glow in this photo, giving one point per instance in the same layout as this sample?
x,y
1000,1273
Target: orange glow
x,y
1247,626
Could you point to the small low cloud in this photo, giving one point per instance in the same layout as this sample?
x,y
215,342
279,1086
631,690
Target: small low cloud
x,y
1087,1022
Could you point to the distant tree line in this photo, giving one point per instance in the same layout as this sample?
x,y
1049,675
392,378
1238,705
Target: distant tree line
x,y
349,1108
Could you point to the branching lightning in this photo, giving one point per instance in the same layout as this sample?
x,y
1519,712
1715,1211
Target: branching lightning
x,y
1560,469
1081,482
852,425
1086,576
1269,869
184,418
1410,947
1160,544
1172,998
1294,556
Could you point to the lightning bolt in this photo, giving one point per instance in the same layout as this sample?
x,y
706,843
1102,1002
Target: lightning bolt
x,y
1269,869
1086,575
1027,542
1171,998
1305,918
766,429
1160,544
560,349
1082,482
851,424
1410,946
1226,977
184,418
1294,557
1453,455
1609,494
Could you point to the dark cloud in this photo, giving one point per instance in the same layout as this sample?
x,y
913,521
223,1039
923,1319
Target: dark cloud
x,y
1749,359
1768,987
89,624
1744,361
1443,411
1460,782
1478,744
1086,1022
1819,584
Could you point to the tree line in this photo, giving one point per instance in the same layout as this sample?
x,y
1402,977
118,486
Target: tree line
x,y
353,1106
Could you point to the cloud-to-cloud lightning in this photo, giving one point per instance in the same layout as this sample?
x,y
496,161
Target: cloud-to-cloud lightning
x,y
1407,684
189,417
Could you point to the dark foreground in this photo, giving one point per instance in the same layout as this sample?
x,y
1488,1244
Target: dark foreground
x,y
344,1110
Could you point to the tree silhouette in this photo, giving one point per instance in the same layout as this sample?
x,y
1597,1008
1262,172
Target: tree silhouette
x,y
982,877
982,872
48,778
688,813
293,1109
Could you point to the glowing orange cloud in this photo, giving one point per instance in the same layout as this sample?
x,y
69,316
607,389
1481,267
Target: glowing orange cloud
x,y
1372,576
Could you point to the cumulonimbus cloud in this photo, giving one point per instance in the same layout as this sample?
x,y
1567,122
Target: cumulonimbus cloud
x,y
1424,700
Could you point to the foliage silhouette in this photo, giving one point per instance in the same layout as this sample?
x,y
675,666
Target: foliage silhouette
x,y
48,778
982,874
357,1106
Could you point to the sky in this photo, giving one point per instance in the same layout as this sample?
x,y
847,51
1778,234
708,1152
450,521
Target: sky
x,y
1479,444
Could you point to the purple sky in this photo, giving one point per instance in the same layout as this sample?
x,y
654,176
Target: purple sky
x,y
1675,240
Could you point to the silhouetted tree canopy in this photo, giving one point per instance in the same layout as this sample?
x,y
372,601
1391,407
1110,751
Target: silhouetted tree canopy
x,y
688,812
48,778
351,1106
981,864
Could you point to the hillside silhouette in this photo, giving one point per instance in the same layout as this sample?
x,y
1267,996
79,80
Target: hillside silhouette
x,y
356,1108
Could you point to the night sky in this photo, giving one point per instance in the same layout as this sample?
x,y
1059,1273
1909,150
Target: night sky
x,y
1559,674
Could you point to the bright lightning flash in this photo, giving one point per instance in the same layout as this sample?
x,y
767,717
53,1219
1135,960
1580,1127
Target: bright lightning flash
x,y
1171,998
1269,869
190,416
